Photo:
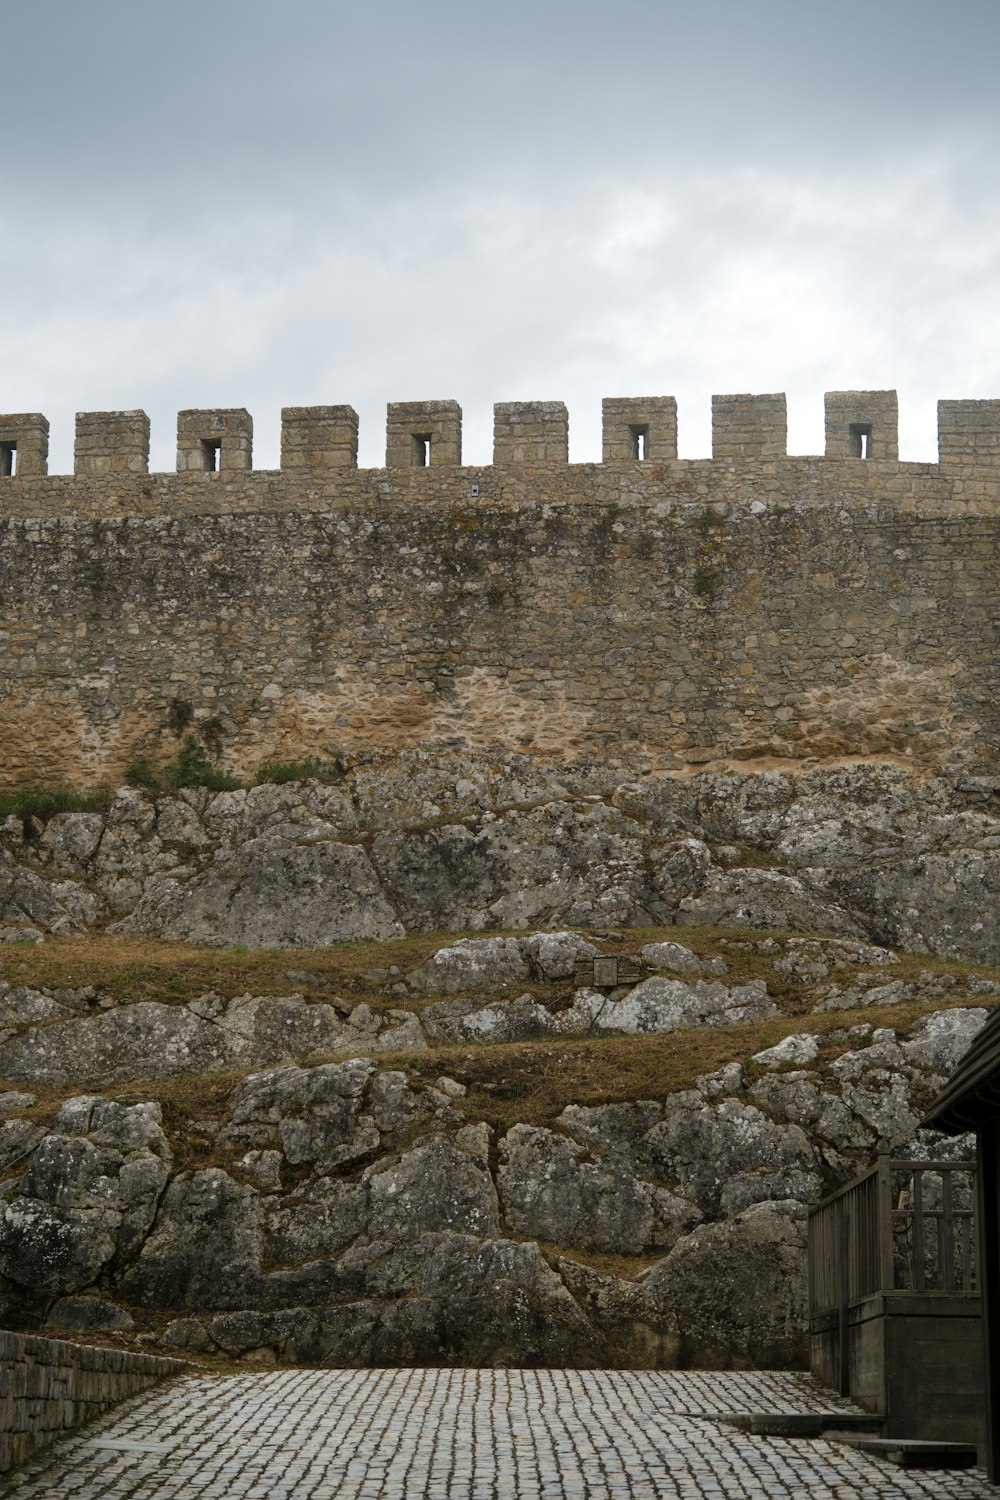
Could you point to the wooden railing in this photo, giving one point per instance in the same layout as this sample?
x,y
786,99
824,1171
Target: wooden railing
x,y
904,1226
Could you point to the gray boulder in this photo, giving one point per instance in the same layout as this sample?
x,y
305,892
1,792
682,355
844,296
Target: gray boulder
x,y
637,1334
677,959
317,1219
314,1114
88,1315
272,894
71,839
18,1138
660,1004
517,1020
433,1186
768,899
699,1147
552,1192
205,1247
737,1291
554,955
939,1041
88,1196
143,1040
474,964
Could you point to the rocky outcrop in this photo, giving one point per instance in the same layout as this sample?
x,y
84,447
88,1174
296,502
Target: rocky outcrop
x,y
422,841
350,1213
83,1037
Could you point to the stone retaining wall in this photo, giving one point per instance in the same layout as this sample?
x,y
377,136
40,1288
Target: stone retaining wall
x,y
48,1386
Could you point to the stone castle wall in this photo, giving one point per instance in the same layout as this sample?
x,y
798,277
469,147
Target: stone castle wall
x,y
50,1386
646,609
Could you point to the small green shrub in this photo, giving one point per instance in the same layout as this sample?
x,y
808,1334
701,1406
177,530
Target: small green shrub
x,y
140,772
192,766
195,767
312,769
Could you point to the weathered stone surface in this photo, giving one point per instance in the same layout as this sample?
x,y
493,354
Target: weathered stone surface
x,y
146,1039
552,1192
765,898
270,893
18,1138
318,1219
938,1042
13,1101
860,852
737,1291
699,1147
475,964
795,1050
315,1114
28,901
636,1330
204,1250
660,1004
72,839
477,1302
677,959
88,1314
554,955
520,1019
433,1186
363,1214
186,1333
88,1196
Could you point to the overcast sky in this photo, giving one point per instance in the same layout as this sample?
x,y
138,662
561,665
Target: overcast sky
x,y
273,202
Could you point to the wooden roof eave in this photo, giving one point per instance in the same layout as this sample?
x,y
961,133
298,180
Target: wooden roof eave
x,y
971,1097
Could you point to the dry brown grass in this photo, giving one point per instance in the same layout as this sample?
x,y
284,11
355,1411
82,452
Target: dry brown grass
x,y
531,1081
149,968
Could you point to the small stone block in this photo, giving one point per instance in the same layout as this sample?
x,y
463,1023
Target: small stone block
x,y
24,445
212,441
639,429
606,973
749,427
319,437
419,434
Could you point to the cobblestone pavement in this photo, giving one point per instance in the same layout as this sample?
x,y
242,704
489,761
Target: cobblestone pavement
x,y
474,1434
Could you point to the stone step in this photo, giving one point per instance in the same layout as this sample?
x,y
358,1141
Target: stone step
x,y
914,1453
802,1424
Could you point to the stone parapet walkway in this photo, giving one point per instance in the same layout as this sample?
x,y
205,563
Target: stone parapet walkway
x,y
469,1435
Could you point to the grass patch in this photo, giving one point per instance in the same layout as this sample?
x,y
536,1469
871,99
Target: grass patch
x,y
149,968
624,1267
280,772
192,766
45,802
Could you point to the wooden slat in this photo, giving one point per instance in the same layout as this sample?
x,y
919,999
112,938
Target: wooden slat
x,y
919,1246
946,1226
886,1267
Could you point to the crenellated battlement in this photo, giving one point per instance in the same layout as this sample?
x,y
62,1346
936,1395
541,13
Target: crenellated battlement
x,y
658,612
637,430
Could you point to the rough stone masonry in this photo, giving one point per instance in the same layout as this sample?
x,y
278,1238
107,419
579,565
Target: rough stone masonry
x,y
646,610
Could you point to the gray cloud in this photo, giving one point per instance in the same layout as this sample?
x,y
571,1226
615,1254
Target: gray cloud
x,y
241,203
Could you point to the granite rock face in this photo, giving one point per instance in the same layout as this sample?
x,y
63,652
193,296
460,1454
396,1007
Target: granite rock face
x,y
356,1214
419,841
